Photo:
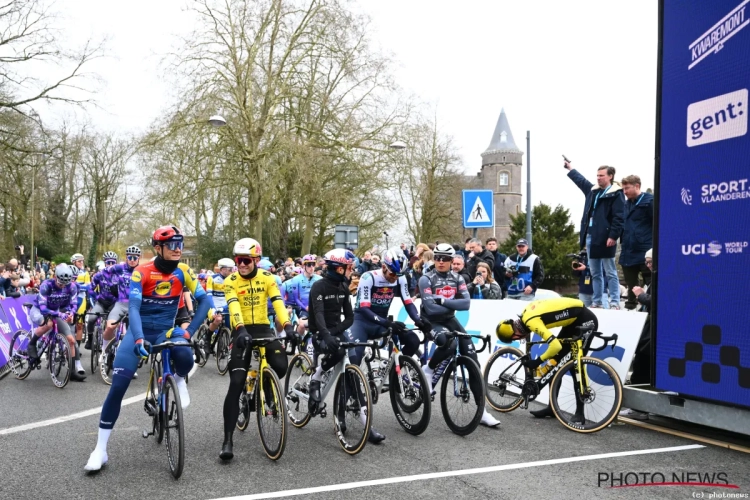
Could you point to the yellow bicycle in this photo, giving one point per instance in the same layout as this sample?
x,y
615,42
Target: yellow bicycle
x,y
263,395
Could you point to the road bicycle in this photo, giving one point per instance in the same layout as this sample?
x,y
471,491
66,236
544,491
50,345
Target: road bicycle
x,y
585,393
407,386
97,340
263,395
163,404
462,409
107,364
352,406
53,343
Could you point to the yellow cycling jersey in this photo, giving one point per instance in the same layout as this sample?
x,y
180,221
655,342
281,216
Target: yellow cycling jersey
x,y
247,299
541,315
215,288
83,280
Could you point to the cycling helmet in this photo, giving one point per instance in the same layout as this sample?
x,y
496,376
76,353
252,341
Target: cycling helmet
x,y
109,255
265,264
166,234
248,247
444,249
226,263
507,331
395,260
308,258
338,257
76,257
202,276
133,250
63,274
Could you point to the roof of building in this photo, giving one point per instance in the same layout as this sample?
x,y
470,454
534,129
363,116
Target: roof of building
x,y
502,138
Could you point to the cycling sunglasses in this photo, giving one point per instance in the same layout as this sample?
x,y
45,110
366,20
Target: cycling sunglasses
x,y
244,260
110,262
309,264
174,245
133,257
443,258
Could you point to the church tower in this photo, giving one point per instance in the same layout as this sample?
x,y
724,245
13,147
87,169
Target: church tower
x,y
501,173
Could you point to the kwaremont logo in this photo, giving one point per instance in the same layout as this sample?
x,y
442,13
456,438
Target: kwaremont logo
x,y
714,248
713,40
717,118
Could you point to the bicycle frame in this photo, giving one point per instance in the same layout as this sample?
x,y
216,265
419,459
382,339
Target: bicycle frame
x,y
393,359
456,335
260,348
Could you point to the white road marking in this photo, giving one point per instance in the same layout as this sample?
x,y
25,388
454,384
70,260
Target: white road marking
x,y
465,472
74,416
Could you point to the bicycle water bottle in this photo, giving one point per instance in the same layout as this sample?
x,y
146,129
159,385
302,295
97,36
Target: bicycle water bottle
x,y
252,375
545,368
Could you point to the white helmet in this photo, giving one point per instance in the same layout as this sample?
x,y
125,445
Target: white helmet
x,y
76,257
225,262
444,249
395,260
249,247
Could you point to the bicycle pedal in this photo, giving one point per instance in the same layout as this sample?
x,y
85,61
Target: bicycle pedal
x,y
146,434
323,413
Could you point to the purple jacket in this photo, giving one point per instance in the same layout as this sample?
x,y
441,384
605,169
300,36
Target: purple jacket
x,y
121,274
104,287
52,300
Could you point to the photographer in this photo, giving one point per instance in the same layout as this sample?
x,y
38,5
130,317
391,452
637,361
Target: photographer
x,y
524,272
483,286
583,273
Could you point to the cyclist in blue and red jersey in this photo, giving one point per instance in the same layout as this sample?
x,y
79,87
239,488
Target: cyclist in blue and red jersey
x,y
155,290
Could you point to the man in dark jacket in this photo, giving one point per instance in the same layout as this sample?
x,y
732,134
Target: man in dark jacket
x,y
478,254
527,274
637,235
498,272
601,227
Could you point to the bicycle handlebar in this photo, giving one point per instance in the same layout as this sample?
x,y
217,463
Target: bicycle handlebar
x,y
485,339
606,339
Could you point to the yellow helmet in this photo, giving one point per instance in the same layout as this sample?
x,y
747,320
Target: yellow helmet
x,y
504,331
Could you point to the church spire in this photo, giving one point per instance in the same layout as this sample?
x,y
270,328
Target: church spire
x,y
502,138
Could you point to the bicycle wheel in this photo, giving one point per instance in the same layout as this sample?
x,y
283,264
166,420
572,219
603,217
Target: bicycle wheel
x,y
462,408
296,389
96,349
222,350
270,411
352,410
18,355
60,361
106,367
152,406
202,338
174,427
504,378
411,403
594,408
244,417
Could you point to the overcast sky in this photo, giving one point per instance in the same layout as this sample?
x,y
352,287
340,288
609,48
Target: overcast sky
x,y
580,75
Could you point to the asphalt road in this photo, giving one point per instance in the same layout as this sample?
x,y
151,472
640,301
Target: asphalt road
x,y
529,458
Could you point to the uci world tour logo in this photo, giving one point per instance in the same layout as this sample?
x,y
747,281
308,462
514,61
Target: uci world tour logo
x,y
713,40
687,199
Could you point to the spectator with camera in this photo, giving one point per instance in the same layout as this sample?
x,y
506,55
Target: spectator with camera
x,y
583,273
601,227
523,272
637,236
476,255
483,286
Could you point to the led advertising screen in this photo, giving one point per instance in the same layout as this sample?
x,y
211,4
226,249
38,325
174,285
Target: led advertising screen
x,y
702,322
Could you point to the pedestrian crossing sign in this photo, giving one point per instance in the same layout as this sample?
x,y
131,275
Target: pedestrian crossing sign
x,y
478,208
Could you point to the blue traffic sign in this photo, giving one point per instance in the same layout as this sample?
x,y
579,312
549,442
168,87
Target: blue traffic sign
x,y
478,208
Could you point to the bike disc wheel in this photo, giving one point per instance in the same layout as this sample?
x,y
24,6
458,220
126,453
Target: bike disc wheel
x,y
174,427
296,389
222,350
600,402
60,361
18,355
410,396
203,338
270,411
504,378
107,367
462,409
351,401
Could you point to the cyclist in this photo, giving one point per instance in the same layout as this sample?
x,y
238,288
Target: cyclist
x,y
121,274
298,291
103,294
443,293
329,299
247,292
83,281
155,289
539,317
58,299
375,293
215,288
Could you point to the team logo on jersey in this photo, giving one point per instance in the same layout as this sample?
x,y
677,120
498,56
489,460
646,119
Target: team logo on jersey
x,y
447,292
136,277
163,288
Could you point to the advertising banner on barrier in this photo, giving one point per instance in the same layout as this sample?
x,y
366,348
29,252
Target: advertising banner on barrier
x,y
483,316
702,252
13,317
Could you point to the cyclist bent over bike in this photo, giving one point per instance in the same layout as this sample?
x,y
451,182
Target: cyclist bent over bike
x,y
155,290
539,317
443,293
247,292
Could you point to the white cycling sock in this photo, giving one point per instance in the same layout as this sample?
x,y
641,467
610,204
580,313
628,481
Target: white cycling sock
x,y
101,443
182,387
318,375
363,417
105,343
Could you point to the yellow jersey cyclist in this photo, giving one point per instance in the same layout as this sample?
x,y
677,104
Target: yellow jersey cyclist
x,y
247,292
539,317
